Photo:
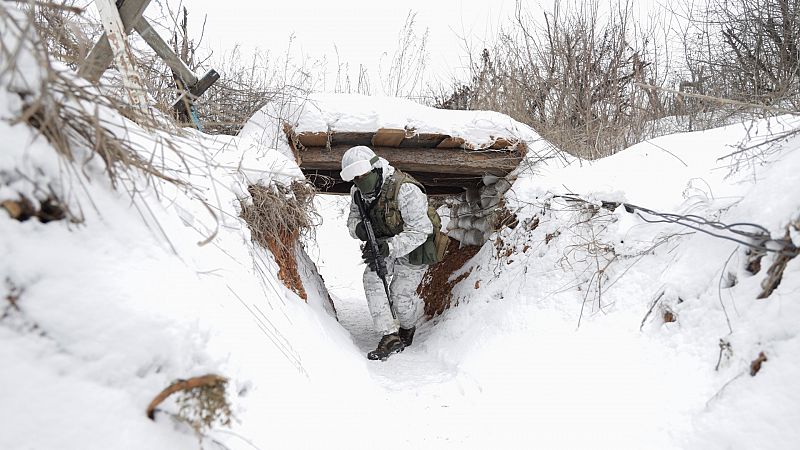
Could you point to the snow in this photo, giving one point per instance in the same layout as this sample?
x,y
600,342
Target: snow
x,y
112,310
360,113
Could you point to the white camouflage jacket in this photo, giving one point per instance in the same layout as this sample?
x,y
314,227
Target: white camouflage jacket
x,y
413,206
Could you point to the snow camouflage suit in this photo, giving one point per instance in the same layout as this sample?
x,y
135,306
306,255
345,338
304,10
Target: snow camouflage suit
x,y
403,276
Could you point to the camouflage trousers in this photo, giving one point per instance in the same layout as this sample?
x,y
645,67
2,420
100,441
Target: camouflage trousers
x,y
403,280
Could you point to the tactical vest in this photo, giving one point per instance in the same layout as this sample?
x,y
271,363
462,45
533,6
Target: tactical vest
x,y
387,221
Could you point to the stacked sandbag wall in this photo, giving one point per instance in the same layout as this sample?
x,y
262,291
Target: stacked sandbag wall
x,y
474,213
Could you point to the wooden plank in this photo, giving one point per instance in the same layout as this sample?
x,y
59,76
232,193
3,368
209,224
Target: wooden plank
x,y
184,101
388,137
423,140
121,53
452,142
164,51
503,143
328,181
424,160
351,138
429,179
101,54
313,139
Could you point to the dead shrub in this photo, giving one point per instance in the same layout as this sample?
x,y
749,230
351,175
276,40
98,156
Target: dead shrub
x,y
745,49
13,295
277,216
202,402
204,407
66,32
571,75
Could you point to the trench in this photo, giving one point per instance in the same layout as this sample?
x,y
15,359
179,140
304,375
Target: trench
x,y
338,259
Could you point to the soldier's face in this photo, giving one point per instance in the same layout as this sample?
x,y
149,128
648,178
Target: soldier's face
x,y
367,183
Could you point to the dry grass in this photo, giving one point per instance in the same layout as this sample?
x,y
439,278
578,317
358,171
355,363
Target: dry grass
x,y
204,407
202,403
277,216
80,121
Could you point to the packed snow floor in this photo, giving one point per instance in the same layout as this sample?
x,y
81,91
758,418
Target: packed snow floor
x,y
505,372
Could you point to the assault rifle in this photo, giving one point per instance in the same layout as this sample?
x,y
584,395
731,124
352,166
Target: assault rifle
x,y
372,242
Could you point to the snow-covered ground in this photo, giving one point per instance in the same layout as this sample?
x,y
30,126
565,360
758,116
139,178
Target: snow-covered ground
x,y
537,355
96,318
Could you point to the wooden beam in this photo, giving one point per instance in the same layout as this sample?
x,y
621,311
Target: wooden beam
x,y
400,138
351,139
328,181
117,39
388,137
101,55
313,139
183,103
425,160
452,142
423,140
164,51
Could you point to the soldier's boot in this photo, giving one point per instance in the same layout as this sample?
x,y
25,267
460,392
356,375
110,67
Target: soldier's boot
x,y
407,335
389,344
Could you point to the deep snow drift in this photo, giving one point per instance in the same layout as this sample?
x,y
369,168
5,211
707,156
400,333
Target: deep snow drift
x,y
544,348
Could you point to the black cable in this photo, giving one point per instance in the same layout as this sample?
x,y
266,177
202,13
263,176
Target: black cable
x,y
695,222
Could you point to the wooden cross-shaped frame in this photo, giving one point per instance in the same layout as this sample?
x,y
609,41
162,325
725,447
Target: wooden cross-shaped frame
x,y
119,19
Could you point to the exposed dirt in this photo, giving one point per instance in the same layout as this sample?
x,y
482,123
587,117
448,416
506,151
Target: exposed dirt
x,y
276,217
284,252
49,210
436,287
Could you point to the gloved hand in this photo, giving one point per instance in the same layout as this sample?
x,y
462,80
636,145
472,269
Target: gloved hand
x,y
369,258
361,231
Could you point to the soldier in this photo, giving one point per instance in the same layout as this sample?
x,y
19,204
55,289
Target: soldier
x,y
409,238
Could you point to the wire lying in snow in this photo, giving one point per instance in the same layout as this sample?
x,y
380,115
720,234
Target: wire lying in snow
x,y
761,238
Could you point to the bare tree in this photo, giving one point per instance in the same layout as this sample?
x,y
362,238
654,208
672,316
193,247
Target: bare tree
x,y
746,50
571,75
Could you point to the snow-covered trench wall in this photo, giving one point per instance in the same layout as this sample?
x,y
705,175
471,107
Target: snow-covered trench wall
x,y
114,288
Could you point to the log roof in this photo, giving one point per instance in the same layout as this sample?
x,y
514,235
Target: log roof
x,y
444,164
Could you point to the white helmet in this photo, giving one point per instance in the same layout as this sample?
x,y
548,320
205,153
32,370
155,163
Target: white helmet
x,y
357,161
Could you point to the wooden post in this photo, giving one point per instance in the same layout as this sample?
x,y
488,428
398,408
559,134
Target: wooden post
x,y
163,50
118,43
101,55
119,18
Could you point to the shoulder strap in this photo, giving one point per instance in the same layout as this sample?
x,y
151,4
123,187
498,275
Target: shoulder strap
x,y
398,179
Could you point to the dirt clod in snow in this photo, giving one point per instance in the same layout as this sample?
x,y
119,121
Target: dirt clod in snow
x,y
23,209
755,366
754,262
